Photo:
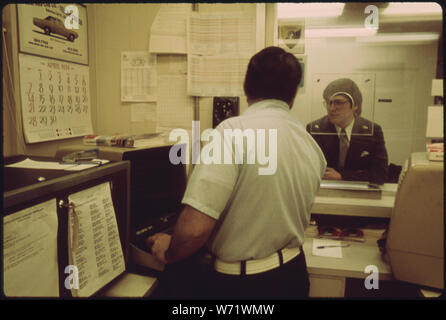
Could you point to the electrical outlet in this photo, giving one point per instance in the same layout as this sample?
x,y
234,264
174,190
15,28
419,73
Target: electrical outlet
x,y
224,107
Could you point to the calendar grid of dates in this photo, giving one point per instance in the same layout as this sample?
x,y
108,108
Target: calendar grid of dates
x,y
55,99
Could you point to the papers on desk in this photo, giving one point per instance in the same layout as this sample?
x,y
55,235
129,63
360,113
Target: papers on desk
x,y
93,239
347,185
30,267
327,250
83,166
32,164
350,189
52,165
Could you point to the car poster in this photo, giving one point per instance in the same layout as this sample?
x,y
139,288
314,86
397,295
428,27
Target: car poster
x,y
54,30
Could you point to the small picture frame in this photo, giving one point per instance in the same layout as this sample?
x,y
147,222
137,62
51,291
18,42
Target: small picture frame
x,y
291,36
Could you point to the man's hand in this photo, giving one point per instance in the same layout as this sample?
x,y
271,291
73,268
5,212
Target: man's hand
x,y
332,174
159,243
192,229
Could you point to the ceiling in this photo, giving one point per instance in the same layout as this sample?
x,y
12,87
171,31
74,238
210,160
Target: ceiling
x,y
354,15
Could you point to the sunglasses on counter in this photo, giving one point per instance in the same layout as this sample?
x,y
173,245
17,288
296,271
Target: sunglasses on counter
x,y
331,232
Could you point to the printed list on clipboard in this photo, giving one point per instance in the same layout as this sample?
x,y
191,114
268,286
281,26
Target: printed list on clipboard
x,y
93,239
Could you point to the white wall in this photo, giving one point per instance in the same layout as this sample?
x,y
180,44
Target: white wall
x,y
118,27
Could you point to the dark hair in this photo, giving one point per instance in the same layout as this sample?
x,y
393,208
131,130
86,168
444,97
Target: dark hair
x,y
273,73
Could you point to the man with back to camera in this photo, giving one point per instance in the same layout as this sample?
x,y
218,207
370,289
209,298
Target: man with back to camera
x,y
252,224
353,146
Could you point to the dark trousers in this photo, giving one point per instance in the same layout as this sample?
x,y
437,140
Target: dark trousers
x,y
191,280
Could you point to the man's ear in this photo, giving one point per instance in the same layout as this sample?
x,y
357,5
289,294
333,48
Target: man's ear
x,y
355,108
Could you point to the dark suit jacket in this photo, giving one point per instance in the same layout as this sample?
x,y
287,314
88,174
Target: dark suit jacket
x,y
367,156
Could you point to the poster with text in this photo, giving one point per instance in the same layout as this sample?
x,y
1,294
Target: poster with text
x,y
55,30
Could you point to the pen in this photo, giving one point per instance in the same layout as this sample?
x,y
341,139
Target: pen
x,y
332,246
81,162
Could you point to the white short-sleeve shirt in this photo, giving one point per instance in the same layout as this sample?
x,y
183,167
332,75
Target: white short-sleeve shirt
x,y
258,214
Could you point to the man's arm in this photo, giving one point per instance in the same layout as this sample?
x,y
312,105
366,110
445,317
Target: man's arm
x,y
192,229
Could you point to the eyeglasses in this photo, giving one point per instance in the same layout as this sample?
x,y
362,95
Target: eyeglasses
x,y
337,103
331,232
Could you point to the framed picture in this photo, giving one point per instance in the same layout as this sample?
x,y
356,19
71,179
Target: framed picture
x,y
291,36
54,30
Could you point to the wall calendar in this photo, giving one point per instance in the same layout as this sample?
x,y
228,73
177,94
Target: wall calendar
x,y
55,99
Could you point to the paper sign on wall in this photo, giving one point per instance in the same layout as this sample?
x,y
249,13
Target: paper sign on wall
x,y
168,31
55,99
138,76
217,75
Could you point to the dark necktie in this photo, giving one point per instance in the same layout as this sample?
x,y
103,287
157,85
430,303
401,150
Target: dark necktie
x,y
343,148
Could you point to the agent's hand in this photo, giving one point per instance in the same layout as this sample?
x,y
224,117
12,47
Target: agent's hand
x,y
332,174
158,244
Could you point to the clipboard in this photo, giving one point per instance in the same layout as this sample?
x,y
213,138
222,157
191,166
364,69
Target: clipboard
x,y
59,190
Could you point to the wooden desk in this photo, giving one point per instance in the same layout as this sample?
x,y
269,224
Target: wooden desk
x,y
130,285
117,153
347,206
328,275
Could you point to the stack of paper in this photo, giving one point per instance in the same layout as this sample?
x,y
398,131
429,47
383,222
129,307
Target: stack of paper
x,y
327,248
52,165
435,151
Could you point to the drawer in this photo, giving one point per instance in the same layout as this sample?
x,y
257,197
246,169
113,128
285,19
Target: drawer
x,y
322,286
